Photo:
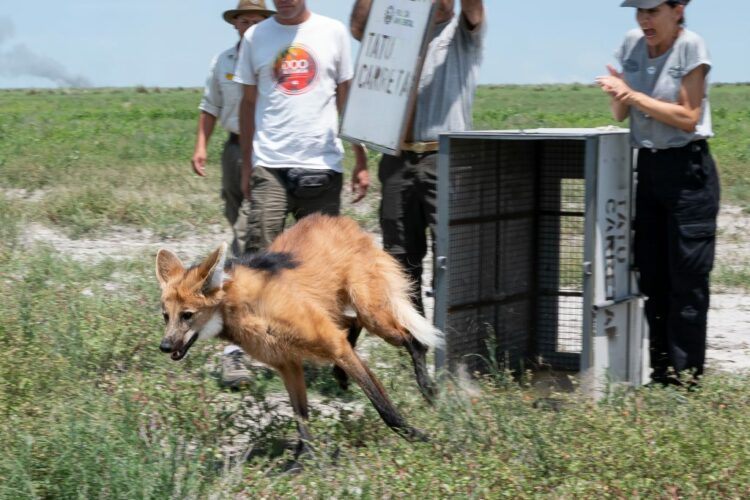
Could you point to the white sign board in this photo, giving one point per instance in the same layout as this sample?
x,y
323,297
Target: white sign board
x,y
390,59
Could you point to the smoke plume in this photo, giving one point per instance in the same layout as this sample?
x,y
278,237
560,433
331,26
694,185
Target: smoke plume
x,y
6,29
19,60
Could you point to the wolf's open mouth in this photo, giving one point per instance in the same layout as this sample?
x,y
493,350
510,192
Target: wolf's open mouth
x,y
180,353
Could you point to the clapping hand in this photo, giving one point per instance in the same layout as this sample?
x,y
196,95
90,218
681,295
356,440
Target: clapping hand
x,y
614,85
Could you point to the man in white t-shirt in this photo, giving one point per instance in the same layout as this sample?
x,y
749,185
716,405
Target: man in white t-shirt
x,y
296,70
221,102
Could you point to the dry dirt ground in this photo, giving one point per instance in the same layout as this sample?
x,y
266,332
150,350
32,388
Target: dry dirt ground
x,y
729,318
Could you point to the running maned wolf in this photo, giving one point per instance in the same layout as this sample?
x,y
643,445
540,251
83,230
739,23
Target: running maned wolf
x,y
290,304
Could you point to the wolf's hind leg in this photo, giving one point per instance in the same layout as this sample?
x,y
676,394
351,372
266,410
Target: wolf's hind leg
x,y
338,373
379,320
358,370
418,352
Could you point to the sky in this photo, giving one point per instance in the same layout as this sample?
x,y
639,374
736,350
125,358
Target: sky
x,y
170,43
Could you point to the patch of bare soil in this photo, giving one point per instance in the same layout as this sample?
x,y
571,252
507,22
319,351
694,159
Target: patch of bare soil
x,y
733,243
729,332
729,316
126,243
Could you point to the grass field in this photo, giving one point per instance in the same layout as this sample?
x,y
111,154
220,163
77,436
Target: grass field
x,y
91,409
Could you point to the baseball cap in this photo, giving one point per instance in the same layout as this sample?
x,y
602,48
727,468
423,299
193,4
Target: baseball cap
x,y
649,4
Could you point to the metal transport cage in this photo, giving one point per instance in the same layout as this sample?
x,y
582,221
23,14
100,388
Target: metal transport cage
x,y
533,257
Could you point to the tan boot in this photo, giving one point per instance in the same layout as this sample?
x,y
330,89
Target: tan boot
x,y
234,372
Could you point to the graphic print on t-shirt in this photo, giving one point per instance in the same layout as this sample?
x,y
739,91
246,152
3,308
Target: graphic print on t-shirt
x,y
295,69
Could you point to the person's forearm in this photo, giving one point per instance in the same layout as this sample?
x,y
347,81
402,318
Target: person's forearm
x,y
358,19
673,114
247,131
685,114
620,110
360,154
206,124
360,175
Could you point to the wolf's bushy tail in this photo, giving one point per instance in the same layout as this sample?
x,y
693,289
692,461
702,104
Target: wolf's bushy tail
x,y
403,309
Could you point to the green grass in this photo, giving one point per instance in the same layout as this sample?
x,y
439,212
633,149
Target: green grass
x,y
731,278
121,156
112,157
90,408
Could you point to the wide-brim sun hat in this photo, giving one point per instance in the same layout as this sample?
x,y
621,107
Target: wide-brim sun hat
x,y
649,4
248,7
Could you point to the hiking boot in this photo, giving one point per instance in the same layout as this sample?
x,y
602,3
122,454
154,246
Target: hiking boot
x,y
234,372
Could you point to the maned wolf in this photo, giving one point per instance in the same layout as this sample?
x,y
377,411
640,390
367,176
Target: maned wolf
x,y
290,303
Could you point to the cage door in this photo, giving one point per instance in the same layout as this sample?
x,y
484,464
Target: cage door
x,y
615,343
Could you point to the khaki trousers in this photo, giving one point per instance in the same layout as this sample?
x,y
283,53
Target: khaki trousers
x,y
231,167
265,214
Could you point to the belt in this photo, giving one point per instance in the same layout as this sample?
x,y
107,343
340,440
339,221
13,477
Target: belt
x,y
420,147
234,138
698,143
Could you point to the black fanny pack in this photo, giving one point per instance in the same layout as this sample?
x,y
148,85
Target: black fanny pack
x,y
307,182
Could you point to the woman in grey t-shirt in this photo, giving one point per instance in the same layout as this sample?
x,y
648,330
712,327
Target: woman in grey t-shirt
x,y
663,90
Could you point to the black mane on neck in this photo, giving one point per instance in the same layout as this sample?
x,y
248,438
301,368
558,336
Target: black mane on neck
x,y
272,262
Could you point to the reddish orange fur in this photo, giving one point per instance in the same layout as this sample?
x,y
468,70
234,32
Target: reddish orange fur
x,y
292,315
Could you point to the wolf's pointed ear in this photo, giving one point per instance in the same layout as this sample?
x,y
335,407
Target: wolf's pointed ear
x,y
167,266
211,270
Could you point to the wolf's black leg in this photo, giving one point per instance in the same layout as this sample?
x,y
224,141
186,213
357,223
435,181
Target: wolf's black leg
x,y
338,373
418,356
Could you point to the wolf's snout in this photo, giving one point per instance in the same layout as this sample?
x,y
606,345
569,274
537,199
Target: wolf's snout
x,y
166,345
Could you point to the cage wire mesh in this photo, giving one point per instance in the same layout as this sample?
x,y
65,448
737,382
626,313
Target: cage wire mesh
x,y
516,226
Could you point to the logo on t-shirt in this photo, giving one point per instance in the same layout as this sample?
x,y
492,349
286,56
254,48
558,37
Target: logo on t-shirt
x,y
295,69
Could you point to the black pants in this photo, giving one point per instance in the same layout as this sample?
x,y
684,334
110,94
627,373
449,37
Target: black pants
x,y
677,201
407,211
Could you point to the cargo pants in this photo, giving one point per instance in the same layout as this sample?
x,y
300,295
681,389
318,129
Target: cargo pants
x,y
677,202
407,210
272,200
